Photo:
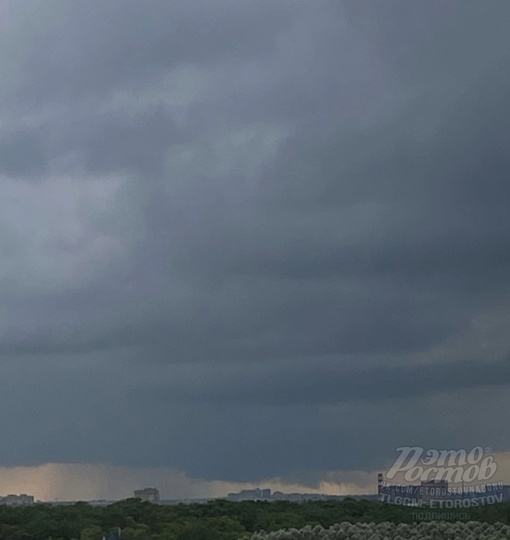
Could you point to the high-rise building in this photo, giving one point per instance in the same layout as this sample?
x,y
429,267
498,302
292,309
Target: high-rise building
x,y
148,494
17,500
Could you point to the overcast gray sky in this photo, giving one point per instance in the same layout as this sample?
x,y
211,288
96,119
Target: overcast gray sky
x,y
253,240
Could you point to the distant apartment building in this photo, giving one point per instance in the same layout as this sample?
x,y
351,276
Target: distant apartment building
x,y
17,500
439,494
433,490
256,494
259,494
148,494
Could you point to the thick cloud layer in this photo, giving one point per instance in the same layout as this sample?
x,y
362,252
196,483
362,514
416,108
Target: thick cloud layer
x,y
248,240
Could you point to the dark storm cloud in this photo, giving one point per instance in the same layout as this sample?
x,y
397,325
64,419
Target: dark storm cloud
x,y
89,49
246,205
327,385
22,153
427,44
118,143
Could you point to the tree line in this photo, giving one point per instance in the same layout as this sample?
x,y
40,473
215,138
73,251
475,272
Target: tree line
x,y
216,520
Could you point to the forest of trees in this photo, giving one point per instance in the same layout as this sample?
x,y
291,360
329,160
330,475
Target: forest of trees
x,y
216,520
